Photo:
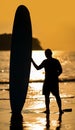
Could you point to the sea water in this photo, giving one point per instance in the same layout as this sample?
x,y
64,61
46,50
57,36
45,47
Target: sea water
x,y
35,99
67,60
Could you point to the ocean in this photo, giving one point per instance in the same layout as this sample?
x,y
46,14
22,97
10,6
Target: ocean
x,y
35,99
67,60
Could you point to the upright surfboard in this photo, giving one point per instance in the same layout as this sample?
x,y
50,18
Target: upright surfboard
x,y
20,58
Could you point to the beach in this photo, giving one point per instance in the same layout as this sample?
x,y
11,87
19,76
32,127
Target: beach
x,y
33,116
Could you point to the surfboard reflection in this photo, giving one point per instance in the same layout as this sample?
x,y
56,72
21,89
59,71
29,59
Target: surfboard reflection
x,y
16,122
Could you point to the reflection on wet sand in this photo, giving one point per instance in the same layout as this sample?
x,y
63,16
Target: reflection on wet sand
x,y
57,123
16,122
42,123
47,121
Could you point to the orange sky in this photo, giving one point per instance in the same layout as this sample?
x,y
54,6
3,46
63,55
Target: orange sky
x,y
53,21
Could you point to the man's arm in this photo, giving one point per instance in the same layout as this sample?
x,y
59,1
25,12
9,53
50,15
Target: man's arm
x,y
59,68
37,66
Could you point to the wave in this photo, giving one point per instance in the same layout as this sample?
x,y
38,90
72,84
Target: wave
x,y
60,80
39,99
41,80
4,99
4,82
67,80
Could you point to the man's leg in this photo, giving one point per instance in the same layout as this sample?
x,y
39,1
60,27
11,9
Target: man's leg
x,y
58,99
47,102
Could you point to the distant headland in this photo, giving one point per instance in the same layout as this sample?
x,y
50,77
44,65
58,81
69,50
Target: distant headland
x,y
5,42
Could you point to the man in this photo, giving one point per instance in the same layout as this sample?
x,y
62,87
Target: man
x,y
51,84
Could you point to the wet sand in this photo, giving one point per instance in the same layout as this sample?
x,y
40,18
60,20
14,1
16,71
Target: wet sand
x,y
35,119
32,120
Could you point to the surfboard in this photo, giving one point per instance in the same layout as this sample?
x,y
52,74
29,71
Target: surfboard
x,y
20,58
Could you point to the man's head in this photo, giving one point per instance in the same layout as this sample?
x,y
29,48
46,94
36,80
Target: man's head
x,y
48,53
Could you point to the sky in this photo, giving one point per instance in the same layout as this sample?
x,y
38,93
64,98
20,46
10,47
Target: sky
x,y
53,21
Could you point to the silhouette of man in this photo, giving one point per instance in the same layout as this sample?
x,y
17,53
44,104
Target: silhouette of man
x,y
52,70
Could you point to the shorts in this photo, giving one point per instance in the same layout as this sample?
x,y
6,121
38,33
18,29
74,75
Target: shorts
x,y
50,88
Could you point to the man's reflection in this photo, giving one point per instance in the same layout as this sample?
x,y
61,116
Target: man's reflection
x,y
48,121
